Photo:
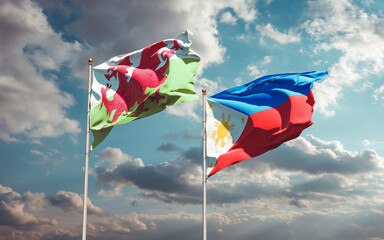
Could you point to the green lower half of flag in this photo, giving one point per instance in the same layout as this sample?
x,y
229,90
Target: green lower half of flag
x,y
180,85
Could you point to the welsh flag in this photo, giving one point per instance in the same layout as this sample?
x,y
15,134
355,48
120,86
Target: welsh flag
x,y
138,84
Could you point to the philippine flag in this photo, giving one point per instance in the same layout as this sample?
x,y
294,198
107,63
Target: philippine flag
x,y
249,120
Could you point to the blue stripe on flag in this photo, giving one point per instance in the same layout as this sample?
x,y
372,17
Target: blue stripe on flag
x,y
267,92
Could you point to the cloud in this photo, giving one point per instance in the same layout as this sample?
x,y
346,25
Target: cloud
x,y
357,34
73,202
148,22
379,94
278,188
143,226
32,105
212,86
34,201
185,134
315,156
275,224
267,60
177,180
188,134
43,157
254,71
59,234
228,18
323,184
273,34
298,225
107,223
110,225
371,142
115,157
169,181
167,147
186,110
308,167
122,224
308,172
14,207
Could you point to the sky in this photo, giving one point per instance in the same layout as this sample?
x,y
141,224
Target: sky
x,y
145,178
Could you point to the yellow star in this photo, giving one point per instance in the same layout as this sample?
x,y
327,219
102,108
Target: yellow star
x,y
242,119
210,105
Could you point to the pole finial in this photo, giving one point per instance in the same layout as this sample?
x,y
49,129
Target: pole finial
x,y
90,61
204,91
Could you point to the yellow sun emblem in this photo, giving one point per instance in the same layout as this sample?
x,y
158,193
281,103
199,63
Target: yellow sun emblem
x,y
223,128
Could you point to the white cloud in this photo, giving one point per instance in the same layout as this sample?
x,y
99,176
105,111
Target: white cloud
x,y
253,70
204,25
239,81
267,60
210,85
371,142
378,95
228,18
357,34
316,156
31,104
273,34
186,110
115,157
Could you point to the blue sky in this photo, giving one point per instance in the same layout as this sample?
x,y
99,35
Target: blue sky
x,y
145,178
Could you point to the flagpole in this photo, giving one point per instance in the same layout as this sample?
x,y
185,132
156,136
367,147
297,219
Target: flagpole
x,y
84,234
204,166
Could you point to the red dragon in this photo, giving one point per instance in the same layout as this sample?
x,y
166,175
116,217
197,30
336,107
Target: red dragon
x,y
149,73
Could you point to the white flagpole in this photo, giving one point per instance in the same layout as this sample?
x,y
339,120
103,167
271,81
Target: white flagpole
x,y
84,236
204,167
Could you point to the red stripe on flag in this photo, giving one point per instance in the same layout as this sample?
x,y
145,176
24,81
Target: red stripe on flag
x,y
268,129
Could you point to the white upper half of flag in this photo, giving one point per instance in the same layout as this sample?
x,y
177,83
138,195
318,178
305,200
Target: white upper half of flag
x,y
224,127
